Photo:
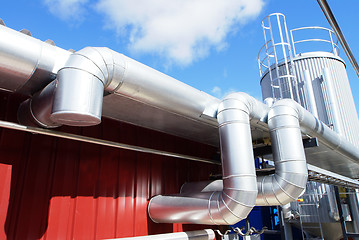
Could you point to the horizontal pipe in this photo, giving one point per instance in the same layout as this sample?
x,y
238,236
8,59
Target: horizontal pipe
x,y
206,234
311,126
90,72
27,64
290,177
47,132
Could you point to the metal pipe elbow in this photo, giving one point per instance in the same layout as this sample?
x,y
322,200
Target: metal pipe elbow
x,y
237,198
80,87
290,177
36,111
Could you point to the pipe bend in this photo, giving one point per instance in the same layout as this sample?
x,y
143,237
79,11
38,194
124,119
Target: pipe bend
x,y
237,197
291,174
80,87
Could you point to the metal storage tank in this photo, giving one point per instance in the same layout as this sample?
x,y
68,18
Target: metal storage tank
x,y
311,72
290,67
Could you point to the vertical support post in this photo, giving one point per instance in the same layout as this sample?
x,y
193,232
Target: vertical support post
x,y
342,222
286,228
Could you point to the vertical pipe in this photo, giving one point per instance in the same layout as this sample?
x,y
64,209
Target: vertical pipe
x,y
238,195
26,63
332,101
310,93
286,215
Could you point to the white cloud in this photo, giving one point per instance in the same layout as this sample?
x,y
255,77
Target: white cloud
x,y
67,9
216,91
182,31
219,93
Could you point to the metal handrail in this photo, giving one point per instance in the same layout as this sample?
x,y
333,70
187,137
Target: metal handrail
x,y
335,47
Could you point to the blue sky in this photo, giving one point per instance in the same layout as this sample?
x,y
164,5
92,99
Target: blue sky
x,y
211,45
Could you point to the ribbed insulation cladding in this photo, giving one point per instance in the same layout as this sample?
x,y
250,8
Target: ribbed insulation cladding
x,y
332,92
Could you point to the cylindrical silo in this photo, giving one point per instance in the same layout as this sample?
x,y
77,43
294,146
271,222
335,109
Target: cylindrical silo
x,y
321,83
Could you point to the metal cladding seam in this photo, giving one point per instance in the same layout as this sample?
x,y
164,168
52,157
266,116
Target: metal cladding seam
x,y
36,111
237,197
80,87
289,114
290,177
27,64
92,72
291,174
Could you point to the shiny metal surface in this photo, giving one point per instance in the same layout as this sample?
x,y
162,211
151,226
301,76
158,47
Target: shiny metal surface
x,y
239,192
144,115
97,70
36,111
286,119
315,62
324,41
27,64
320,175
310,93
277,50
80,88
290,177
335,26
206,234
348,118
332,103
314,128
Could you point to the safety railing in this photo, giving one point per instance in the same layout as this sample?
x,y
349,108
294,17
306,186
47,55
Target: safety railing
x,y
275,57
330,41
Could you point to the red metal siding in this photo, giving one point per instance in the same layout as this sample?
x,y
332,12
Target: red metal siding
x,y
60,189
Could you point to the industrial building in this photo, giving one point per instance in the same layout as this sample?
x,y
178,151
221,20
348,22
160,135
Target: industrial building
x,y
95,145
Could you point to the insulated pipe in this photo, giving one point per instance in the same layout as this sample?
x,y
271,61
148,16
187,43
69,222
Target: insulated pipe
x,y
91,71
234,202
290,177
313,127
36,111
80,87
27,64
289,113
332,101
288,110
310,93
206,234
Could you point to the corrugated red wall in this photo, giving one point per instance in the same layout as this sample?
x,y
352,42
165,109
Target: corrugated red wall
x,y
53,188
